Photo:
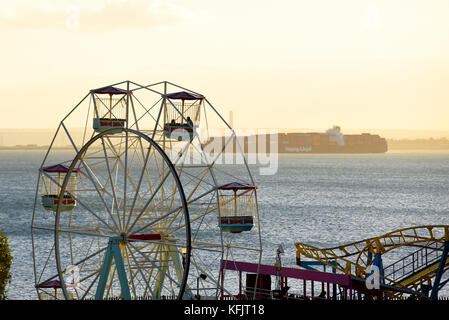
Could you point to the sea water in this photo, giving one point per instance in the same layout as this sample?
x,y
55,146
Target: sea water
x,y
322,200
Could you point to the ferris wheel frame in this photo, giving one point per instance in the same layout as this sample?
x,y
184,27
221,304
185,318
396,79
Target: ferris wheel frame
x,y
173,172
224,241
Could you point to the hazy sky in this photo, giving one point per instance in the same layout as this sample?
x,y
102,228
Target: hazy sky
x,y
278,64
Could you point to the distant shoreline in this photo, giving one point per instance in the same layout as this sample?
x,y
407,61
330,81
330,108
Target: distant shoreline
x,y
397,149
30,148
430,144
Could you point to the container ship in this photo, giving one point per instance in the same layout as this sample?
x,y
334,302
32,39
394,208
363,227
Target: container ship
x,y
331,141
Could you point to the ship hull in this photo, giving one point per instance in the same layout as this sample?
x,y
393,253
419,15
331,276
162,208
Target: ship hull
x,y
330,149
315,143
332,141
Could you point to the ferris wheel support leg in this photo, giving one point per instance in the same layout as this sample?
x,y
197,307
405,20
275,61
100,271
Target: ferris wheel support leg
x,y
179,271
161,275
113,251
436,284
378,263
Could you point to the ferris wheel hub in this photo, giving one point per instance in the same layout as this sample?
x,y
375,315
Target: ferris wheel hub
x,y
143,237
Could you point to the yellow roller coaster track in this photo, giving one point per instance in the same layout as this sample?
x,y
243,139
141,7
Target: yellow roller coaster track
x,y
354,258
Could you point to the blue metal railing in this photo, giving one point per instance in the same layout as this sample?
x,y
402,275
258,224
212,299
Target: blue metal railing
x,y
414,262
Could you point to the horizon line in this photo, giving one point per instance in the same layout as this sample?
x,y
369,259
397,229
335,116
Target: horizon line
x,y
284,128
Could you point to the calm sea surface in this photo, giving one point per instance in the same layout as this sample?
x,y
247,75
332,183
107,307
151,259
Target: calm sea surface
x,y
322,200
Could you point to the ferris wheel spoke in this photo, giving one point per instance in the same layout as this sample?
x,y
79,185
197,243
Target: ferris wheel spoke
x,y
139,269
132,276
81,289
197,231
156,252
117,147
152,137
194,218
119,161
192,192
94,214
94,281
175,242
111,183
200,180
174,193
152,222
125,171
109,290
170,199
159,268
212,279
100,195
159,187
45,264
202,265
55,276
91,174
174,211
80,232
197,245
81,203
138,185
199,217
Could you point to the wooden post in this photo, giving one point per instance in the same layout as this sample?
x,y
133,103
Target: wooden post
x,y
304,284
240,284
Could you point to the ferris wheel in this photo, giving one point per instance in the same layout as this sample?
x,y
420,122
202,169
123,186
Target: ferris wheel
x,y
143,193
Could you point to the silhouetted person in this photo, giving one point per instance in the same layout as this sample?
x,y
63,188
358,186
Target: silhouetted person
x,y
322,295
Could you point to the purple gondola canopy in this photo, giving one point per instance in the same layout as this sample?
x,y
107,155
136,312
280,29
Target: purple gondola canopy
x,y
54,284
236,186
109,90
59,168
183,95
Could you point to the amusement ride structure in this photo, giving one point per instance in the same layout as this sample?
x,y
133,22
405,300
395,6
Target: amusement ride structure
x,y
418,259
139,205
